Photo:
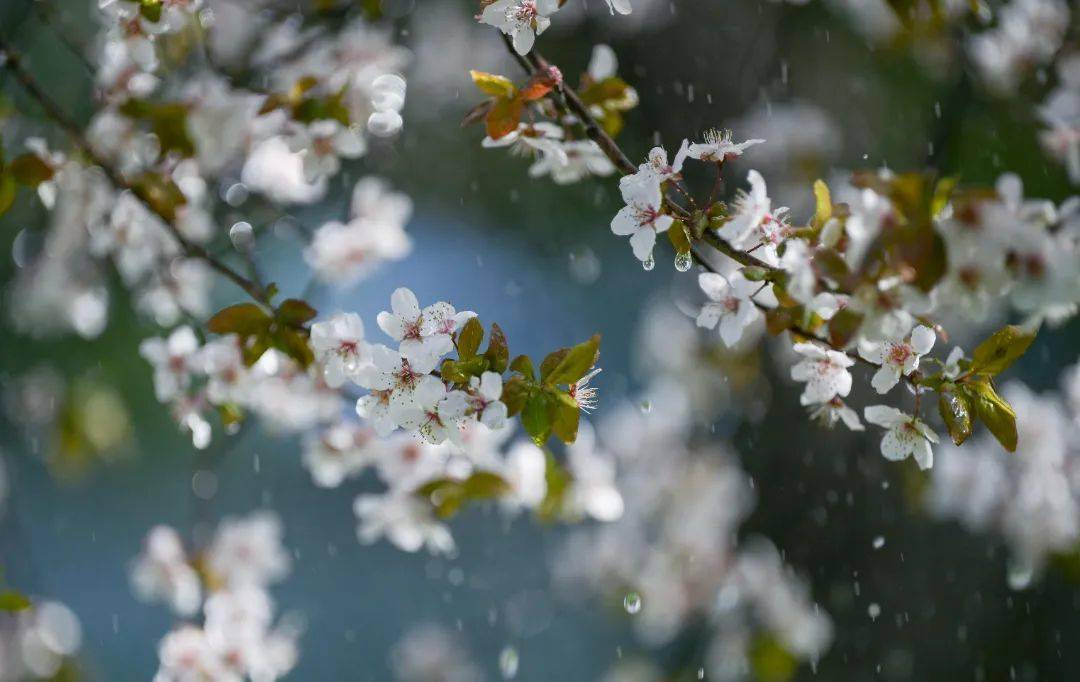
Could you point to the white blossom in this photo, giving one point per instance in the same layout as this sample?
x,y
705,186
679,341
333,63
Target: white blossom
x,y
641,218
338,344
730,304
162,572
522,20
425,335
407,521
906,435
719,147
898,357
825,372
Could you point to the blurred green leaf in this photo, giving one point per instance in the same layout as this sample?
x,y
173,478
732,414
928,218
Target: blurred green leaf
x,y
469,338
995,412
12,601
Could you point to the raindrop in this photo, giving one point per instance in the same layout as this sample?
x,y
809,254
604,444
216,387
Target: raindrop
x,y
632,602
508,662
649,263
683,261
242,236
701,673
874,610
646,406
1020,577
879,542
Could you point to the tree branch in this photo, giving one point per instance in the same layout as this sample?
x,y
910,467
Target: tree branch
x,y
568,102
12,62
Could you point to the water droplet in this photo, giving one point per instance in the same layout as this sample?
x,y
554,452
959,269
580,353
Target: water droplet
x,y
508,662
1020,576
632,602
874,610
879,542
242,236
646,406
683,261
701,673
649,263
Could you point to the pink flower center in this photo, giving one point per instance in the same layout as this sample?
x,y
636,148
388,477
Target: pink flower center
x,y
898,354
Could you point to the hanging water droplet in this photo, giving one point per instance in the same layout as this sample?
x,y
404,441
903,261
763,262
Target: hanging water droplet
x,y
701,673
874,610
508,662
879,542
242,236
632,602
649,263
683,261
646,406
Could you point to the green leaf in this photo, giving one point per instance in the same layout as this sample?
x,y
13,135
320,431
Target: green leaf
x,y
955,409
575,363
823,199
244,319
843,327
12,601
294,343
151,10
558,480
523,366
160,193
30,170
516,392
469,338
448,495
295,313
8,190
995,412
498,352
1002,349
548,365
770,660
679,237
566,417
536,417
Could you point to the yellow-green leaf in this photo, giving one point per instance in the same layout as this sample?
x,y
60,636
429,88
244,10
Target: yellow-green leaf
x,y
1002,349
244,319
469,338
995,412
955,409
824,203
494,84
575,363
12,601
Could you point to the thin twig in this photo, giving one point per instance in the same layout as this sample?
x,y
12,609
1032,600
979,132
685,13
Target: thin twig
x,y
13,64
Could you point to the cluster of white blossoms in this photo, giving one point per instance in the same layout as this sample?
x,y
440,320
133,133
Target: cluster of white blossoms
x,y
192,142
674,556
227,631
1060,113
344,253
1031,499
39,642
195,378
998,249
451,436
1027,34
